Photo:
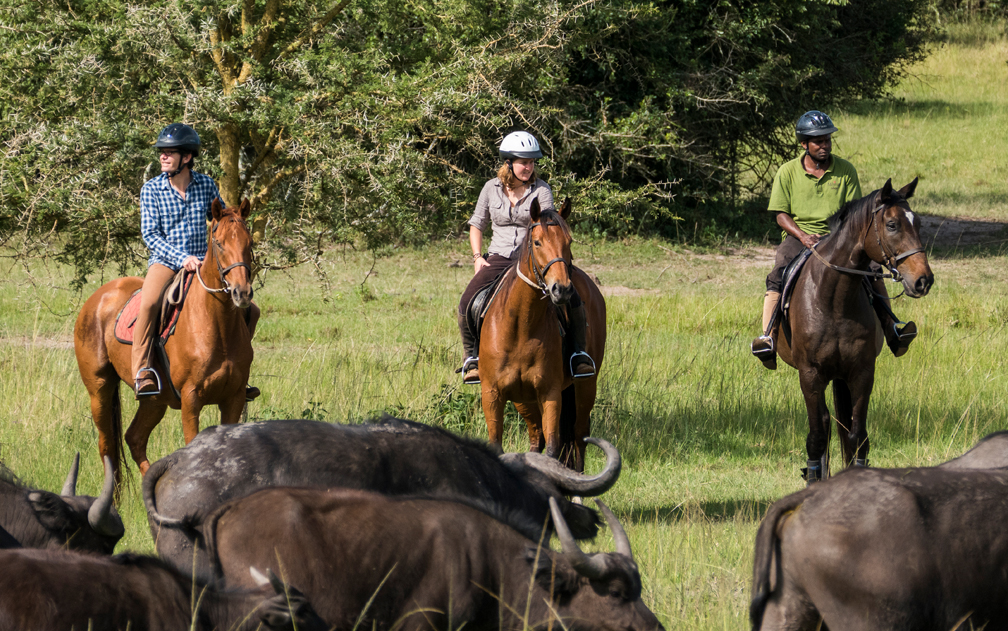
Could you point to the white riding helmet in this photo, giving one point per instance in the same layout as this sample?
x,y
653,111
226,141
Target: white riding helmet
x,y
520,144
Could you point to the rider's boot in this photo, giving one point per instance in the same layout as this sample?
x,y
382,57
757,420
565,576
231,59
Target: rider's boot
x,y
581,364
764,347
147,383
251,319
898,335
470,361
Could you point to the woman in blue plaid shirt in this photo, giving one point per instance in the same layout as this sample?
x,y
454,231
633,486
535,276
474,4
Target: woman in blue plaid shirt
x,y
174,209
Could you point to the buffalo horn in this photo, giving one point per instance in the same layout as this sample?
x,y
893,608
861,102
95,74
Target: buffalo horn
x,y
573,483
593,567
70,486
100,514
619,535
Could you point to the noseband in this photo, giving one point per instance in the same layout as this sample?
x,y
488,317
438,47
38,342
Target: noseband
x,y
218,252
539,273
890,260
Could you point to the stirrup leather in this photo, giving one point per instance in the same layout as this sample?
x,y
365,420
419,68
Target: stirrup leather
x,y
136,381
590,361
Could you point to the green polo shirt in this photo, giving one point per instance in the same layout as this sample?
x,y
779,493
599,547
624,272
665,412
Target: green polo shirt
x,y
811,201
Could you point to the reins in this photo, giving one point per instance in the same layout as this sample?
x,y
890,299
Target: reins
x,y
218,252
891,261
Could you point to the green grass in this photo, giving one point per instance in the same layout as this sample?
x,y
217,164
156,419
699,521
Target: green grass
x,y
710,438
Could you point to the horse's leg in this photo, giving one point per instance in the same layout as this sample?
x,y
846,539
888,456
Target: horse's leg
x,y
192,405
817,442
149,413
533,421
861,390
550,407
493,411
230,410
844,414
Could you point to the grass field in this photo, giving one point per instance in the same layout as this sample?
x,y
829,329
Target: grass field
x,y
709,437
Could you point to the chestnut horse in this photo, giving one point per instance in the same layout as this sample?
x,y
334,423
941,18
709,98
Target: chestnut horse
x,y
521,348
210,352
833,334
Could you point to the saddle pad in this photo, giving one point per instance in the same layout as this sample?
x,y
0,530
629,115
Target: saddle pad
x,y
170,310
791,273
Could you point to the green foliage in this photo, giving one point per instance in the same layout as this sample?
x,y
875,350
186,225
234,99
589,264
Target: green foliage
x,y
361,122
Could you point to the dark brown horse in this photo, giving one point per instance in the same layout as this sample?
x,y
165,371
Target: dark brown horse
x,y
834,334
521,349
210,353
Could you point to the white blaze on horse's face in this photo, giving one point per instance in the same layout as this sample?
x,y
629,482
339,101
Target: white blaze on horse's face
x,y
910,216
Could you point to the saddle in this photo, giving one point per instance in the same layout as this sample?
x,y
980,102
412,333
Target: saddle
x,y
791,272
171,306
480,303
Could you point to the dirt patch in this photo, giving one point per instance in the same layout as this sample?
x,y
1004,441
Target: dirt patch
x,y
620,290
38,342
945,232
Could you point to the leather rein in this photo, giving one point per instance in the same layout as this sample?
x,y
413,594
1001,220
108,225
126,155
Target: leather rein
x,y
218,252
891,260
537,272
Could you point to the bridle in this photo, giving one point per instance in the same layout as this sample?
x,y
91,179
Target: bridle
x,y
539,273
218,252
891,260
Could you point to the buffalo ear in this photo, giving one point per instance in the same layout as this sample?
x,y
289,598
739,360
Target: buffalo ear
x,y
886,192
52,512
534,210
552,573
565,208
908,190
216,210
245,208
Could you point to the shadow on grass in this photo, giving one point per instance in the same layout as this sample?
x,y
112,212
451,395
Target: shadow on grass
x,y
728,510
924,109
948,238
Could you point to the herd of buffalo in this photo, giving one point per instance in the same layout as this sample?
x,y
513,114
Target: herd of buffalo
x,y
389,525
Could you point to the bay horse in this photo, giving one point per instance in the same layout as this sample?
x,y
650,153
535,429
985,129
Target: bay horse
x,y
210,352
832,333
521,347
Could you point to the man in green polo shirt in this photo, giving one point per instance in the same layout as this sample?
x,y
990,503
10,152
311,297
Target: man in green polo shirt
x,y
806,192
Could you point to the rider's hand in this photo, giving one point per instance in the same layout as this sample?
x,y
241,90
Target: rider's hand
x,y
809,240
191,263
479,264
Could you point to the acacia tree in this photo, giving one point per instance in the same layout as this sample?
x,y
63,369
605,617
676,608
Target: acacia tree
x,y
348,120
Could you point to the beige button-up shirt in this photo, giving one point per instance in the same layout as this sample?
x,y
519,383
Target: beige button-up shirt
x,y
509,223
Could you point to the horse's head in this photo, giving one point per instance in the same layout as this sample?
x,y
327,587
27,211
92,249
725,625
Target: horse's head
x,y
549,242
231,249
894,239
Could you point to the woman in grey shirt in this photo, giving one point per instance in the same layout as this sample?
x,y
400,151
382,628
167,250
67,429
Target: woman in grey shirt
x,y
504,203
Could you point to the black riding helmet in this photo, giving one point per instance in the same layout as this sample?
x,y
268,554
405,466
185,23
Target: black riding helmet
x,y
813,123
179,136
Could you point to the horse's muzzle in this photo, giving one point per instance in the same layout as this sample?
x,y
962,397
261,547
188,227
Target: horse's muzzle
x,y
920,287
242,296
560,294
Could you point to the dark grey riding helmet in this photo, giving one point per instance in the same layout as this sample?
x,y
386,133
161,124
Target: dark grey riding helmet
x,y
179,136
813,123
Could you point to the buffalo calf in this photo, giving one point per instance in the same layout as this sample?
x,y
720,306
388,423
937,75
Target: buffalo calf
x,y
376,562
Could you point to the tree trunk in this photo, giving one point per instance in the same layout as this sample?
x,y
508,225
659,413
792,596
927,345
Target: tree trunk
x,y
230,184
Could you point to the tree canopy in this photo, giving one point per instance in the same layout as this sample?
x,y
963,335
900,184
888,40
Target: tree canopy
x,y
354,121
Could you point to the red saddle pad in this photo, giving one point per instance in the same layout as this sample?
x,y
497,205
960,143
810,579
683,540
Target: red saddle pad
x,y
126,319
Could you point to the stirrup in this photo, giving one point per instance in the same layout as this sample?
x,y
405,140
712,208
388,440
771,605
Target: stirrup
x,y
251,393
575,375
136,383
765,352
905,333
470,364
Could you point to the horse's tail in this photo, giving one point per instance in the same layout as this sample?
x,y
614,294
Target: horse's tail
x,y
766,544
118,446
568,419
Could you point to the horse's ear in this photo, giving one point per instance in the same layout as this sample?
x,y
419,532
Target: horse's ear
x,y
534,210
908,190
245,208
886,191
565,208
216,210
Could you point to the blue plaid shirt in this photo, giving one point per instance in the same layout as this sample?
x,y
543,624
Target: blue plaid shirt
x,y
174,228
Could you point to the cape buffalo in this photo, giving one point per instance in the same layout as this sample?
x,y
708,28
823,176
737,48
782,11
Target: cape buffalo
x,y
39,519
384,563
56,590
920,549
392,456
990,452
